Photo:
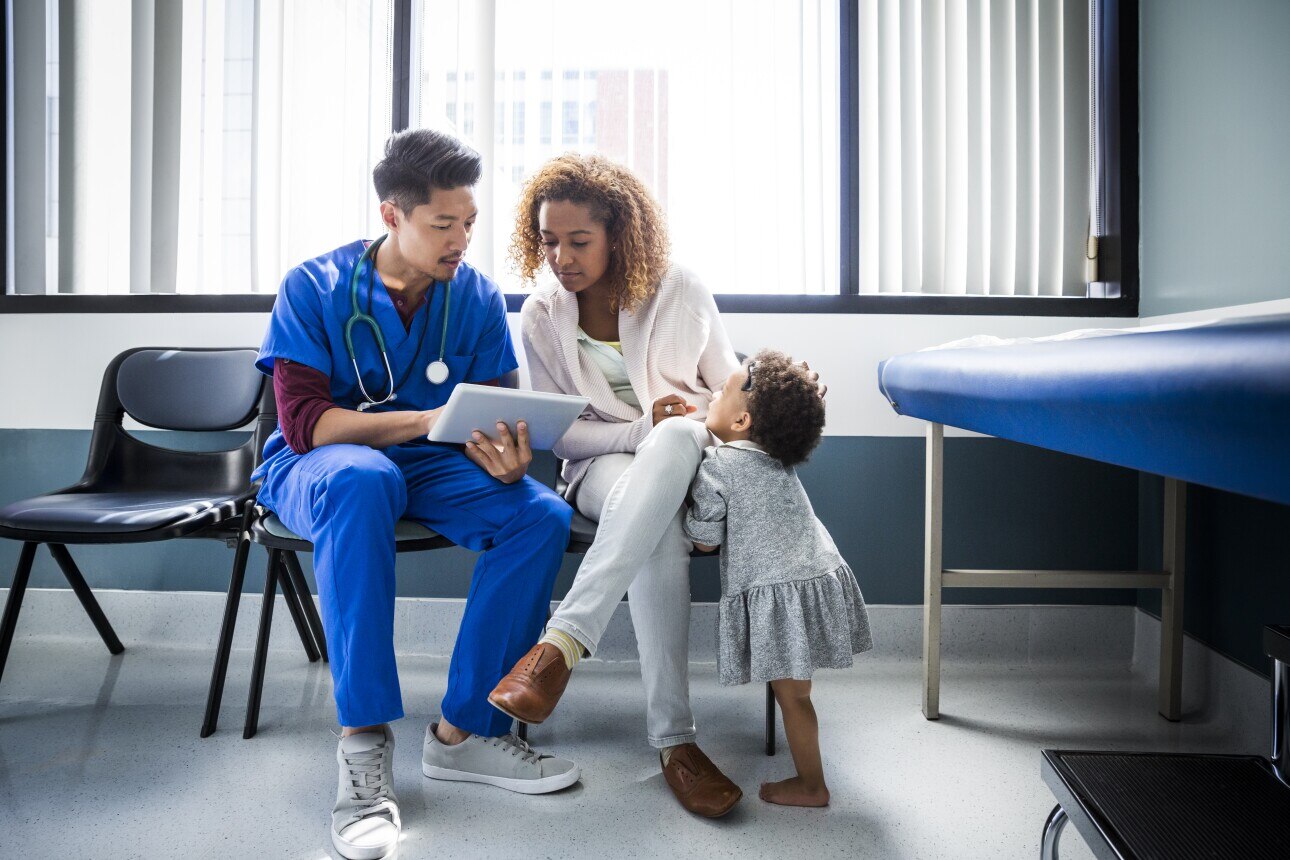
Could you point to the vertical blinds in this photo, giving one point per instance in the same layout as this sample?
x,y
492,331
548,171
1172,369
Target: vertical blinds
x,y
973,139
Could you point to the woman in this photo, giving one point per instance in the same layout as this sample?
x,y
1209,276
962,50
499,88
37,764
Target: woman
x,y
641,338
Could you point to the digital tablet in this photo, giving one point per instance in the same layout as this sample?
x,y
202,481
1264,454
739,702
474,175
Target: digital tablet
x,y
480,407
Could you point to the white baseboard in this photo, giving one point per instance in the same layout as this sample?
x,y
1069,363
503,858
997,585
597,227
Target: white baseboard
x,y
1216,689
428,626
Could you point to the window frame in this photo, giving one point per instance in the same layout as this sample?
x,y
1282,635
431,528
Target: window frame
x,y
1119,251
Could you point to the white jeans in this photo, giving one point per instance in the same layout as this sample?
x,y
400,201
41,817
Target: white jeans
x,y
640,549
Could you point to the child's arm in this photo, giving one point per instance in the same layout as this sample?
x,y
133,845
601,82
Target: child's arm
x,y
705,521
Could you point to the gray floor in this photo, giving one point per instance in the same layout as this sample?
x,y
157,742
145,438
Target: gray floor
x,y
99,757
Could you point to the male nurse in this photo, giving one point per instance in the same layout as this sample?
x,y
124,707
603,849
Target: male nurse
x,y
350,458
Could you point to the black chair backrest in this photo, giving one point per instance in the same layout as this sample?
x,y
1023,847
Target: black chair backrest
x,y
178,389
174,389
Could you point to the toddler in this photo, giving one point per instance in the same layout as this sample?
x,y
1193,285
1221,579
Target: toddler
x,y
789,603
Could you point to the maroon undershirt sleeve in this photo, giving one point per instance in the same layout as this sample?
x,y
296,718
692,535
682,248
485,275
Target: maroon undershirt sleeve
x,y
303,395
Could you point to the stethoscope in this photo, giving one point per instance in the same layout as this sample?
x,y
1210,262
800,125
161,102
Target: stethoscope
x,y
436,371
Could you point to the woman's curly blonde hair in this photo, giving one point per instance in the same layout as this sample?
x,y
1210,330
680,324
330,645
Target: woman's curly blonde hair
x,y
636,227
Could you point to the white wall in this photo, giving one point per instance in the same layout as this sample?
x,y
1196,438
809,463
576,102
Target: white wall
x,y
53,363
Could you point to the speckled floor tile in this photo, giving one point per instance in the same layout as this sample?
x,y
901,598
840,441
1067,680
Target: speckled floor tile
x,y
99,757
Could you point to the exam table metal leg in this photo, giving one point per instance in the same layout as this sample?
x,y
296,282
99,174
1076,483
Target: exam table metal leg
x,y
932,570
216,691
262,645
13,605
1171,599
82,589
1053,833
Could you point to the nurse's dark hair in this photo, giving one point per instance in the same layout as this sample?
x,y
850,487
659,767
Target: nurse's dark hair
x,y
785,406
639,252
420,160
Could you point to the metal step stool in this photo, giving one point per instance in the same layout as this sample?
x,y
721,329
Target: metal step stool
x,y
1176,806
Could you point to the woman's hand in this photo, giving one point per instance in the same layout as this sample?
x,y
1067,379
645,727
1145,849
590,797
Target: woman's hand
x,y
506,459
677,405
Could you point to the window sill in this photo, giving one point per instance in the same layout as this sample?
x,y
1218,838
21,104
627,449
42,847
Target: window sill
x,y
731,304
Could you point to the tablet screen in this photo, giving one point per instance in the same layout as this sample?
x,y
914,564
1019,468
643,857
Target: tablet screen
x,y
480,407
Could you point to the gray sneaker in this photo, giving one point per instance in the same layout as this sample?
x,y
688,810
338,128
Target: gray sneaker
x,y
506,762
365,820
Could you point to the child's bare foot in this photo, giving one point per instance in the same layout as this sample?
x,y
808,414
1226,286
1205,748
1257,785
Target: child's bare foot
x,y
794,792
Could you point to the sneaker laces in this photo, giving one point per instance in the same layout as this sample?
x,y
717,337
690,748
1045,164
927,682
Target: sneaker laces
x,y
518,747
369,784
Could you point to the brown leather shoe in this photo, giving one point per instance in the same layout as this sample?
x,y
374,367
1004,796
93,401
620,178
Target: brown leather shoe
x,y
698,784
532,689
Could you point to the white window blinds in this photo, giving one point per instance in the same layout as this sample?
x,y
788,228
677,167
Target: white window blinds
x,y
973,146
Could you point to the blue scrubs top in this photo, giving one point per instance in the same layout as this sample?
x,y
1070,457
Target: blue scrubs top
x,y
308,327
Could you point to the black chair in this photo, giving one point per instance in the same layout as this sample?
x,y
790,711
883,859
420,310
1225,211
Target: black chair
x,y
134,492
1180,805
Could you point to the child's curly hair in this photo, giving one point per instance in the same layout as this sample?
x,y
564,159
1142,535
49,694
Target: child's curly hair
x,y
636,225
785,406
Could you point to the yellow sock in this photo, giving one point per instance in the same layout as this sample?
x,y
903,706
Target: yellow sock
x,y
570,648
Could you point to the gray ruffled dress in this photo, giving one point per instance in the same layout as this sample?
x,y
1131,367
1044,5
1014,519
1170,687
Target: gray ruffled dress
x,y
789,603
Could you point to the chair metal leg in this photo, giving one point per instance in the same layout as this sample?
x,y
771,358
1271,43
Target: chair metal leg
x,y
82,589
521,730
292,599
261,646
216,692
306,601
13,605
770,720
1053,833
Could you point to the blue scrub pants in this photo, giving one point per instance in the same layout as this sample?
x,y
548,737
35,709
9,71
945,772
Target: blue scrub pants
x,y
346,500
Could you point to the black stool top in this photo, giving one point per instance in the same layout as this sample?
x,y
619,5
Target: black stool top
x,y
1177,806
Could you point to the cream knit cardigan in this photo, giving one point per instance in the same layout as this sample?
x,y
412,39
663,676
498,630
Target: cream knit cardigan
x,y
673,344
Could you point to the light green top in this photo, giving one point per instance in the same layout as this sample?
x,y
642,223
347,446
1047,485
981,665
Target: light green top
x,y
608,356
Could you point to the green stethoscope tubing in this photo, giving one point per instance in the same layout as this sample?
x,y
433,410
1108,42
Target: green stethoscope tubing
x,y
358,316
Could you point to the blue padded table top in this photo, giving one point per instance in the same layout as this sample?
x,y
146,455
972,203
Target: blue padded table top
x,y
1209,404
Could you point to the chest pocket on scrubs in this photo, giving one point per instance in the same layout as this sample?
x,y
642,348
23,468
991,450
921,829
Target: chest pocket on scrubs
x,y
458,367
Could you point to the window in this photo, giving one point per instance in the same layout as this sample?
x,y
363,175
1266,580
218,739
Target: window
x,y
546,123
570,124
973,147
756,82
841,152
197,171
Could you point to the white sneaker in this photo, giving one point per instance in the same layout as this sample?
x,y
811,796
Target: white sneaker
x,y
365,820
506,762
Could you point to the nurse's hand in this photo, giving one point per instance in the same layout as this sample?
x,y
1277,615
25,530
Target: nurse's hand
x,y
506,458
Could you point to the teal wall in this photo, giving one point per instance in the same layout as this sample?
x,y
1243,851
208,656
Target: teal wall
x,y
1215,114
1215,146
1006,505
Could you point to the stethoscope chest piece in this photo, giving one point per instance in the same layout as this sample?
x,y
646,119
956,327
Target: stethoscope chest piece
x,y
437,372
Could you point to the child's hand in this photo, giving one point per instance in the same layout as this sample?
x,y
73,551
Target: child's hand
x,y
703,547
815,377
